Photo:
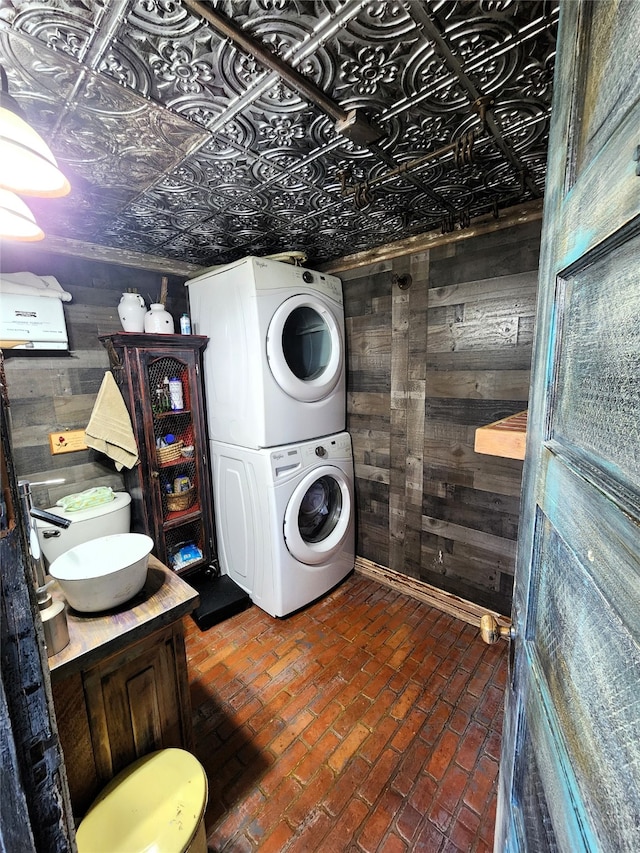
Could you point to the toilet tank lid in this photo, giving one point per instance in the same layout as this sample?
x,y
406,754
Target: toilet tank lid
x,y
120,501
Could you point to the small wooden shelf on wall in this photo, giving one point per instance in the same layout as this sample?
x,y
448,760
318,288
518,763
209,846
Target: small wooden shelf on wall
x,y
506,437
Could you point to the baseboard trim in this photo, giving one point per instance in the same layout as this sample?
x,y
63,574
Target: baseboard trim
x,y
460,608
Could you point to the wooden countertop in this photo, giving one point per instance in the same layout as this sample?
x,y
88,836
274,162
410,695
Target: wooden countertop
x,y
507,437
164,599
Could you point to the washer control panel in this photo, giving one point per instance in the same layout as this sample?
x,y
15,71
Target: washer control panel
x,y
288,460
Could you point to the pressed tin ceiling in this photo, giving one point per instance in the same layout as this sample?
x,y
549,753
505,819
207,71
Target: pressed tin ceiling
x,y
183,144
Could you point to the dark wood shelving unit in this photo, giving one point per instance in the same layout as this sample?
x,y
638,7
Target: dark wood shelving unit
x,y
140,362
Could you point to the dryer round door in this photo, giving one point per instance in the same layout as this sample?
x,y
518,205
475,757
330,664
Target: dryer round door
x,y
318,515
305,351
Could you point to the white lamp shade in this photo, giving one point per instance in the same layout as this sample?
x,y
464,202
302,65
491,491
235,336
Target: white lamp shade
x,y
16,220
27,165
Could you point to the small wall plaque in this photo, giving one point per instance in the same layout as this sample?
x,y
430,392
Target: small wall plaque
x,y
67,441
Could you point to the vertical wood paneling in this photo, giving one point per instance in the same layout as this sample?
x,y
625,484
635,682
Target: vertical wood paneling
x,y
414,479
426,367
398,415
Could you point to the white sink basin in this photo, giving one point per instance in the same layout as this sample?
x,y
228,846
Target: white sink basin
x,y
104,572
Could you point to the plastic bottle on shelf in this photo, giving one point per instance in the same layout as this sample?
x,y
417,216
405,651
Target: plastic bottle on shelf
x,y
175,393
159,405
185,325
166,394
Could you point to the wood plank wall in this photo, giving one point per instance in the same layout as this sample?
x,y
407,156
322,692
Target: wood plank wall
x,y
50,392
426,366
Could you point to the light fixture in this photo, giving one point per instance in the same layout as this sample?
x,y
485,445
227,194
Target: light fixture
x,y
16,220
27,165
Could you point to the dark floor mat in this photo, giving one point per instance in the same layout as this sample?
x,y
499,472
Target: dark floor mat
x,y
220,598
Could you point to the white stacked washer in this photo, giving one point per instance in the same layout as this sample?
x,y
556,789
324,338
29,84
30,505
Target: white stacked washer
x,y
276,403
285,519
275,361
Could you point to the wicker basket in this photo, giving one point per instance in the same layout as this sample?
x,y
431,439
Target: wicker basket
x,y
170,453
176,502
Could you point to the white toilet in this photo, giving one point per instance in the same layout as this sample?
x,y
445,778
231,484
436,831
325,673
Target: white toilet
x,y
86,524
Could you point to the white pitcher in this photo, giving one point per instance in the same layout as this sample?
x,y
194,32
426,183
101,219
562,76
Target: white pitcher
x,y
131,310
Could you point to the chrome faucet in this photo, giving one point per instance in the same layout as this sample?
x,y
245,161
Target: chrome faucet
x,y
52,613
31,513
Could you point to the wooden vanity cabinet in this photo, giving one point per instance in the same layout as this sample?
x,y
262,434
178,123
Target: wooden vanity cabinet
x,y
120,688
125,706
136,699
140,364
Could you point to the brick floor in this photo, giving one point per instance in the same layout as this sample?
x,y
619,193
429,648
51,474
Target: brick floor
x,y
368,722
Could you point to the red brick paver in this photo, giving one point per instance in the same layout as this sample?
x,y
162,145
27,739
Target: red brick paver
x,y
366,723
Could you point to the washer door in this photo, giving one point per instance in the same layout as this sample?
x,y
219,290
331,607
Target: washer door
x,y
304,348
317,517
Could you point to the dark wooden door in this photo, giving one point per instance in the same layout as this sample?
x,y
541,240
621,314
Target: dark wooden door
x,y
570,772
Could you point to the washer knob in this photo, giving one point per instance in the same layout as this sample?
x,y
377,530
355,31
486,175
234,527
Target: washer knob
x,y
321,451
307,276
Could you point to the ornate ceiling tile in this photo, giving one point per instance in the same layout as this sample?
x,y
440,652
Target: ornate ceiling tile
x,y
180,212
180,142
248,206
179,63
198,249
284,169
40,81
65,26
211,229
114,142
383,21
230,177
245,75
288,206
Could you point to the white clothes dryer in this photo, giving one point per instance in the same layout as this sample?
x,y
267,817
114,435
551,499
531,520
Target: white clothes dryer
x,y
275,363
285,519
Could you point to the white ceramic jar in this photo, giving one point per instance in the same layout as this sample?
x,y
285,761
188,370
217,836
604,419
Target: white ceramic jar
x,y
132,310
158,320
